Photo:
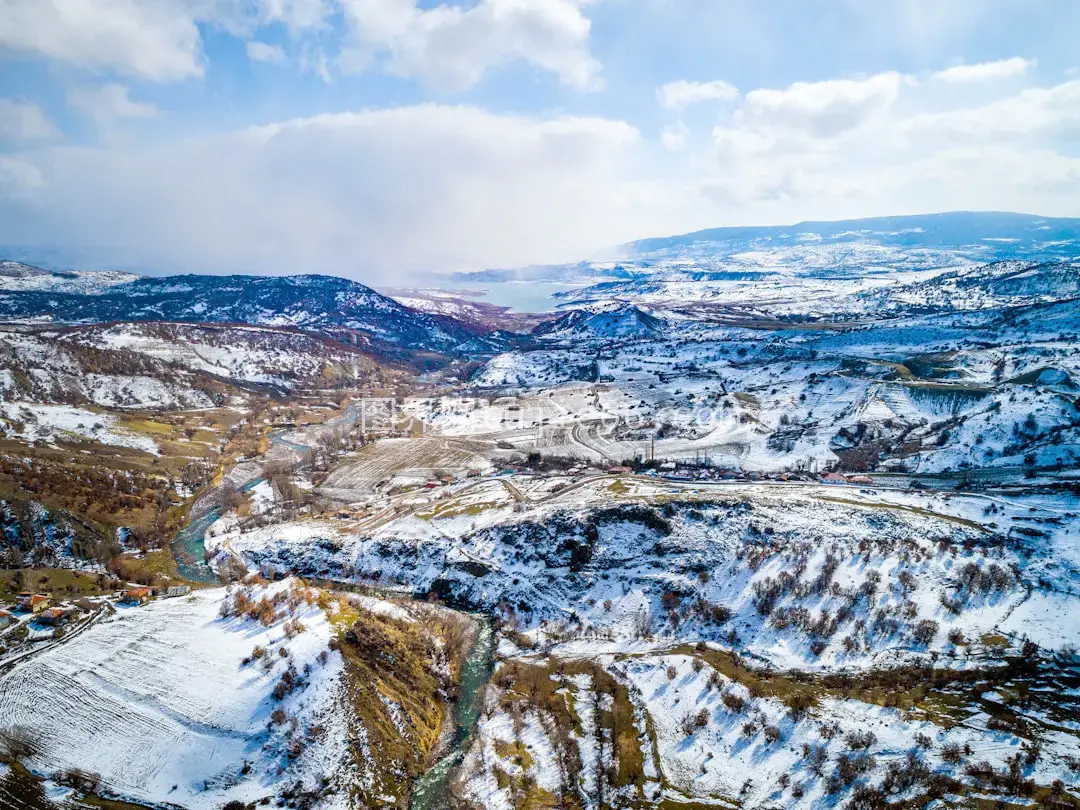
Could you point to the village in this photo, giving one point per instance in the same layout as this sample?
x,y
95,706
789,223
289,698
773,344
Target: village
x,y
36,621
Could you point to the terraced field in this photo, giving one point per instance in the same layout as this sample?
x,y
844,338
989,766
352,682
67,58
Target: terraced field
x,y
158,703
415,459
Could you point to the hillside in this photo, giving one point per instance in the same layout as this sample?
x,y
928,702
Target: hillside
x,y
323,304
17,276
282,357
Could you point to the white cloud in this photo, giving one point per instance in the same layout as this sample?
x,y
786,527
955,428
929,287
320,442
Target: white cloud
x,y
265,52
842,148
824,108
674,137
157,40
1035,112
681,94
296,15
986,71
450,47
108,102
22,121
447,45
18,176
370,194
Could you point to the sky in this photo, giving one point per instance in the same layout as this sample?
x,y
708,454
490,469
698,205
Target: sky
x,y
384,140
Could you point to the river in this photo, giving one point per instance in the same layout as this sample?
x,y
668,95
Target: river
x,y
432,790
189,545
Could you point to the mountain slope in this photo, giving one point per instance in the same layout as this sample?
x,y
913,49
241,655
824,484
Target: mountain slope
x,y
18,276
285,358
318,303
1001,284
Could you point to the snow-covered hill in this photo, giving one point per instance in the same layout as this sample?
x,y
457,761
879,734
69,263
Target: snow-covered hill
x,y
17,276
285,358
158,702
43,368
324,304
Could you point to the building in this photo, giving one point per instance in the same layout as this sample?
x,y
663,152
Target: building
x,y
177,590
618,470
6,618
137,596
833,478
860,479
33,602
56,616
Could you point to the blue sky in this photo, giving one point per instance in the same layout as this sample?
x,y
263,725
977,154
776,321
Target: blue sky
x,y
381,139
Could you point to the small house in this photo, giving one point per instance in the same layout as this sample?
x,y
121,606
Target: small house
x,y
618,470
860,479
56,616
177,590
833,478
137,596
33,602
6,618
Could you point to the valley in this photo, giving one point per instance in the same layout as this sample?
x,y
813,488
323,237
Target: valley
x,y
750,519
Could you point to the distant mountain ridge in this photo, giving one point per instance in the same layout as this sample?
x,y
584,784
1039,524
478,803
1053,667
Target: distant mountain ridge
x,y
1000,232
325,304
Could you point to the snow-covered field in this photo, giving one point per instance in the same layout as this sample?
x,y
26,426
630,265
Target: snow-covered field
x,y
159,702
34,422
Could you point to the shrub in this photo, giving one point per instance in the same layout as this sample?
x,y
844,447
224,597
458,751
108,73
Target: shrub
x,y
850,767
799,703
860,740
695,722
925,631
734,703
952,753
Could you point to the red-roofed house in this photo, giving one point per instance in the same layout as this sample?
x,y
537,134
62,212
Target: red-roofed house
x,y
33,602
137,596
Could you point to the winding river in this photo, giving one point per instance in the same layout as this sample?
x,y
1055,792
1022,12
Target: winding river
x,y
189,545
432,790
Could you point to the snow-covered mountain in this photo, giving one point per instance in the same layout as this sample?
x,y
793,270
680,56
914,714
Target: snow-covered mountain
x,y
45,369
1001,284
978,235
811,268
17,276
325,304
760,518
